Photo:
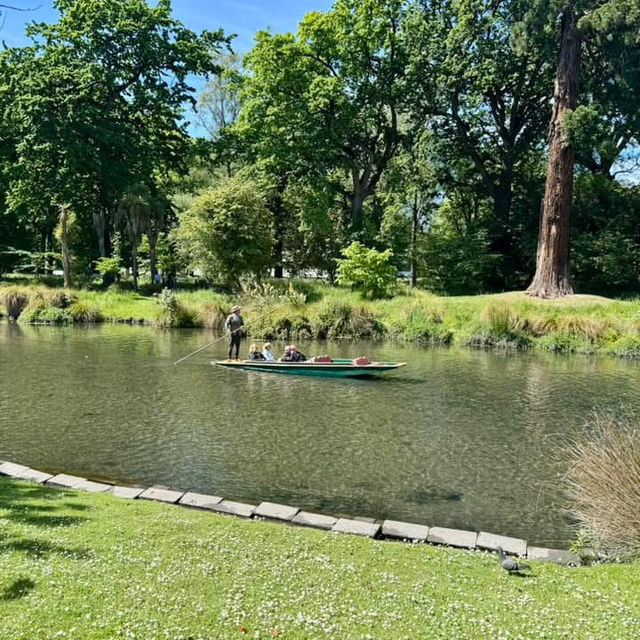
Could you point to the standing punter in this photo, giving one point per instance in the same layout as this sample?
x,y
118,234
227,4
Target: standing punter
x,y
234,324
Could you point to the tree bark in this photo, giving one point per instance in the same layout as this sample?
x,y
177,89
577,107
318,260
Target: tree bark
x,y
64,236
414,241
552,278
134,265
279,223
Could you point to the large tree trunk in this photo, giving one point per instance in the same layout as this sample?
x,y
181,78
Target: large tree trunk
x,y
64,236
552,279
414,241
279,223
134,265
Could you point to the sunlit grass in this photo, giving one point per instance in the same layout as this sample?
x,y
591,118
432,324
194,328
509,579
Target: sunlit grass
x,y
301,309
76,565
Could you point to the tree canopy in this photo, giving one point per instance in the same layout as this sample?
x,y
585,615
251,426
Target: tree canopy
x,y
432,129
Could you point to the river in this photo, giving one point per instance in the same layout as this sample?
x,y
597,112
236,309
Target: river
x,y
458,438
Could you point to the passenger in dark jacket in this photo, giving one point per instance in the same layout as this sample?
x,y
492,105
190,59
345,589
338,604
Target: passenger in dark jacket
x,y
291,354
254,354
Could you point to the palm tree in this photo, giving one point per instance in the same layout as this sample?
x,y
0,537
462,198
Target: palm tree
x,y
64,233
135,209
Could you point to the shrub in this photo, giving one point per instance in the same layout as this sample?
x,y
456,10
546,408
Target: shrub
x,y
271,293
601,482
173,314
563,343
40,311
425,325
285,322
367,270
14,301
341,320
108,268
499,326
626,346
84,314
227,230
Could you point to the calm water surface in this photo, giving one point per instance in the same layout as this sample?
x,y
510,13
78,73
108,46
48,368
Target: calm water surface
x,y
458,438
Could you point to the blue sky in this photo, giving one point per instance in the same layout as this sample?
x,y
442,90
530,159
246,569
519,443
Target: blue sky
x,y
243,17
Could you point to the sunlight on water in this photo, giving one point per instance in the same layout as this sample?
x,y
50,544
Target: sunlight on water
x,y
458,438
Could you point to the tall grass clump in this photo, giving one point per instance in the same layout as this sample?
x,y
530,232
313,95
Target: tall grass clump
x,y
265,294
212,316
14,301
282,322
337,319
83,313
40,310
499,325
424,324
602,483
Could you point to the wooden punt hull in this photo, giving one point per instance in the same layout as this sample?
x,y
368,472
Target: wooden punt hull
x,y
334,369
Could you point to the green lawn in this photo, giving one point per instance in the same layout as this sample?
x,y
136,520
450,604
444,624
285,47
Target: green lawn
x,y
79,565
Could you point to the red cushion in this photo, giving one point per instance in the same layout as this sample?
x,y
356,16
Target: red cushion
x,y
362,361
322,359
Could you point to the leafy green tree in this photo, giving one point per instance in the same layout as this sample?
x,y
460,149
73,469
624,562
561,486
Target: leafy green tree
x,y
219,106
327,100
455,255
227,231
95,105
480,80
368,270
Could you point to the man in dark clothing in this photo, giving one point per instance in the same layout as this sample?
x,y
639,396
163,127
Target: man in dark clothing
x,y
291,354
233,325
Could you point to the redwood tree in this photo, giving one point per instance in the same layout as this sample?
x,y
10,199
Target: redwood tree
x,y
552,277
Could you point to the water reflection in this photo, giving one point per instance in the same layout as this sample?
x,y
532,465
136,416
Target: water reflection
x,y
458,438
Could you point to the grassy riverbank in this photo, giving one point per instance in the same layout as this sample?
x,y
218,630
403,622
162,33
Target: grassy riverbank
x,y
79,565
312,310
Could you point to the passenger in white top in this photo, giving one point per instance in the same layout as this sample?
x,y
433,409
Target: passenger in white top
x,y
266,352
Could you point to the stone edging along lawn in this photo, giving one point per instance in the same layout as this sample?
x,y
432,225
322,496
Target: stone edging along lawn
x,y
369,527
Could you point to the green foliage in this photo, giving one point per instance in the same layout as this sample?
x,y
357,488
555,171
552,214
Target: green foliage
x,y
424,325
83,313
108,267
41,310
227,231
271,293
325,103
94,105
368,270
172,313
342,320
606,248
454,255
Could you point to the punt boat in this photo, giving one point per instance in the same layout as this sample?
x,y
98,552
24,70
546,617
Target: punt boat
x,y
335,368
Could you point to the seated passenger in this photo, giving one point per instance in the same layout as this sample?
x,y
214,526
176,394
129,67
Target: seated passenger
x,y
254,354
291,354
267,353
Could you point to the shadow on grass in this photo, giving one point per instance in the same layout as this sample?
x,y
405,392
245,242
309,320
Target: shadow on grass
x,y
17,590
36,506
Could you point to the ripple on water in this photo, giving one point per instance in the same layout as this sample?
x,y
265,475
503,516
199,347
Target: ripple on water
x,y
458,438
